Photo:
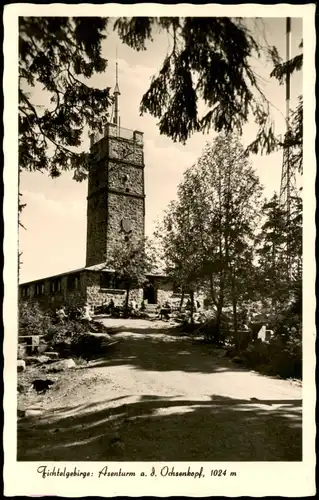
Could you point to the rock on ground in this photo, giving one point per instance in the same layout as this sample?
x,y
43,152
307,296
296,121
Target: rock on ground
x,y
68,363
52,354
33,412
59,366
37,360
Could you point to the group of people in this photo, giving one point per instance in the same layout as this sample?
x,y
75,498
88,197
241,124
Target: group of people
x,y
196,305
85,313
82,313
163,311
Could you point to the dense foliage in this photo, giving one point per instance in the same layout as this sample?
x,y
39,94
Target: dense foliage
x,y
279,252
212,237
32,320
221,238
207,235
69,338
59,56
209,62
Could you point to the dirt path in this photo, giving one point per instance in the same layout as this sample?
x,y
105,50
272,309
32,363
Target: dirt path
x,y
162,397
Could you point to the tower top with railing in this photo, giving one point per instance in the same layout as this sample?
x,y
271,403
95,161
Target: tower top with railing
x,y
113,129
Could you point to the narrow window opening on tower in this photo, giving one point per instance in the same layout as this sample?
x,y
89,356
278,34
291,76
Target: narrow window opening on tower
x,y
127,190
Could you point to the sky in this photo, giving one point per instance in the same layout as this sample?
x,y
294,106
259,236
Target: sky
x,y
54,240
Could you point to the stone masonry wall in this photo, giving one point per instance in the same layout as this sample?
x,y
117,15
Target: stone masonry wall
x,y
126,178
96,228
165,293
124,207
115,191
96,296
125,150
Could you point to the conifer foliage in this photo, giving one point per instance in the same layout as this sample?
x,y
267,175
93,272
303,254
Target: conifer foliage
x,y
59,56
209,61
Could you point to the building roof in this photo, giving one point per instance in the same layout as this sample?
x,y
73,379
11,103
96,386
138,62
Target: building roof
x,y
96,267
54,276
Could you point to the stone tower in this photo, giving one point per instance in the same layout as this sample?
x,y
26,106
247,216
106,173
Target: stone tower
x,y
116,198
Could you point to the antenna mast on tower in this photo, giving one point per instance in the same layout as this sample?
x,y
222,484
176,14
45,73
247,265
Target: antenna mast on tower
x,y
117,93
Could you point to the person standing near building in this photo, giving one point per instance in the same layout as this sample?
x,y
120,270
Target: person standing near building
x,y
111,307
133,305
87,312
61,314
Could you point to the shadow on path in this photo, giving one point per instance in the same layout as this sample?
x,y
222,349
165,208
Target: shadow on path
x,y
155,428
160,428
166,353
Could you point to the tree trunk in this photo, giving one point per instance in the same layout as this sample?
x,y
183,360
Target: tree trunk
x,y
192,306
220,305
212,291
235,319
182,300
126,302
237,343
217,330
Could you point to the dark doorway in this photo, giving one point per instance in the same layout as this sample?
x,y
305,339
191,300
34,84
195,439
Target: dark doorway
x,y
150,293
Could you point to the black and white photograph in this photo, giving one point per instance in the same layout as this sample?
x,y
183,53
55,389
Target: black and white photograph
x,y
155,263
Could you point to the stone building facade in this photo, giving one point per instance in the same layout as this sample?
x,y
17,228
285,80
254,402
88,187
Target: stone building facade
x,y
115,214
93,285
116,197
54,291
